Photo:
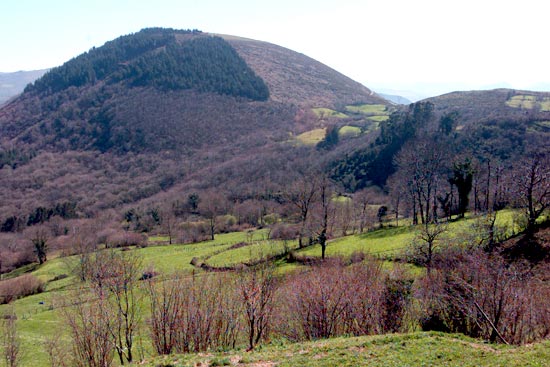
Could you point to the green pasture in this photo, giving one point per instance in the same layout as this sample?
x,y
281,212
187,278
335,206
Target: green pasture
x,y
349,131
529,102
322,113
368,109
312,137
394,350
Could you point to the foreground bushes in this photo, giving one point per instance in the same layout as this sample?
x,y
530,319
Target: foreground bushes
x,y
482,295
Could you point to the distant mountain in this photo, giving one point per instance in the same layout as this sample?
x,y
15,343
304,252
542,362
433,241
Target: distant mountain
x,y
165,110
11,84
395,98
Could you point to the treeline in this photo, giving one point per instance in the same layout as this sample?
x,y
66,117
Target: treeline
x,y
65,210
155,57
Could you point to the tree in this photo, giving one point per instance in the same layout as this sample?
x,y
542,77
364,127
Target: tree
x,y
302,194
462,178
10,341
89,326
117,283
422,163
213,204
429,238
325,199
40,242
257,288
533,185
193,201
331,138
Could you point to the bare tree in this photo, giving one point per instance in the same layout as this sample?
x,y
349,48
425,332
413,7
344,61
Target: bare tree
x,y
118,283
10,341
88,322
429,239
211,206
302,195
422,164
256,288
533,185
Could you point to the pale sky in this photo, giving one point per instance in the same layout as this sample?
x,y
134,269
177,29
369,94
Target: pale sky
x,y
466,44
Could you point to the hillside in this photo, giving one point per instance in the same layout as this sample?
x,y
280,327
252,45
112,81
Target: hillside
x,y
295,78
163,109
501,124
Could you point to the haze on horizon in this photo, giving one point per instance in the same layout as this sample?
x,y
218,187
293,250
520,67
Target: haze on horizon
x,y
428,46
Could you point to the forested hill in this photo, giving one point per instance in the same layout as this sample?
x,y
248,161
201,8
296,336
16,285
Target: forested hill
x,y
165,109
164,58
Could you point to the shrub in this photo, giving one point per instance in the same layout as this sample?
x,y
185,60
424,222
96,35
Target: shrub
x,y
22,286
282,231
125,239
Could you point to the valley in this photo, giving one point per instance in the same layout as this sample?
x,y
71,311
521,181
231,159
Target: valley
x,y
176,197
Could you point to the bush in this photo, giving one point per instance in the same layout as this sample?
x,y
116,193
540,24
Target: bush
x,y
25,285
125,239
282,231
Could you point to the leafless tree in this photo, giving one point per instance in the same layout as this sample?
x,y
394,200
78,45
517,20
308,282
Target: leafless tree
x,y
10,340
88,320
533,185
302,194
256,287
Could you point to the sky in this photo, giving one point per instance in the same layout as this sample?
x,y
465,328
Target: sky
x,y
428,46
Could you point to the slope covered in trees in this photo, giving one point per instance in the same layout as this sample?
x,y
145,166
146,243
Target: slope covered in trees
x,y
164,58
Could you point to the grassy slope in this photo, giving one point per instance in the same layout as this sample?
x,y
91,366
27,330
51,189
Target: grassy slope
x,y
36,321
416,349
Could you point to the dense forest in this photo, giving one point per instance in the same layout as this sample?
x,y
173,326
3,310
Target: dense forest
x,y
163,58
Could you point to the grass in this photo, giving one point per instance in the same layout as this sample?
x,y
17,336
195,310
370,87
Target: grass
x,y
388,242
251,252
38,317
529,102
312,137
349,131
322,113
368,109
415,349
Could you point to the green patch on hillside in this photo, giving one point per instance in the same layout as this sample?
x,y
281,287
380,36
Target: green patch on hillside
x,y
368,109
323,113
311,137
251,253
349,131
391,241
529,102
415,349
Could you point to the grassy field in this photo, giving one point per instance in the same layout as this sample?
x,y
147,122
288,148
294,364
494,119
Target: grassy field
x,y
322,113
311,137
349,131
368,109
529,102
390,241
415,349
38,315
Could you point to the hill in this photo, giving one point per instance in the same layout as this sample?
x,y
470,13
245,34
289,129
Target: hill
x,y
11,84
501,124
163,109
